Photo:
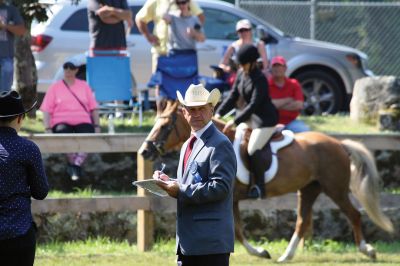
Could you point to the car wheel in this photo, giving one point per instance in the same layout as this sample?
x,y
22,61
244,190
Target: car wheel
x,y
322,93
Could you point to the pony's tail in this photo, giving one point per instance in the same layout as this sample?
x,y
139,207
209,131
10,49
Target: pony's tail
x,y
365,183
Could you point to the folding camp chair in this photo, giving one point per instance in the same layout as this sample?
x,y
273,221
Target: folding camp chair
x,y
175,72
108,74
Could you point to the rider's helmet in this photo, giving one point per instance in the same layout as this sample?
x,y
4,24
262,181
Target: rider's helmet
x,y
248,53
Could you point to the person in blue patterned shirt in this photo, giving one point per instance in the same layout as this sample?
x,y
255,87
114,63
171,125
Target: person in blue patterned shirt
x,y
22,176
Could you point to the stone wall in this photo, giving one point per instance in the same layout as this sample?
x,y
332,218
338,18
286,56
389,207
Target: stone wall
x,y
258,224
116,171
376,100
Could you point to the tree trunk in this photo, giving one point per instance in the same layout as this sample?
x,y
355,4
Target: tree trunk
x,y
25,73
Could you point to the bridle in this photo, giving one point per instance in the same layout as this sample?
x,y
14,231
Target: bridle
x,y
165,132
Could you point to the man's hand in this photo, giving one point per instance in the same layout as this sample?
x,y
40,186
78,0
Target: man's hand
x,y
158,175
112,15
171,187
105,11
153,40
163,181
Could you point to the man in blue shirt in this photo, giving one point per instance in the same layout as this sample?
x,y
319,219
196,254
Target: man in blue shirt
x,y
22,176
11,25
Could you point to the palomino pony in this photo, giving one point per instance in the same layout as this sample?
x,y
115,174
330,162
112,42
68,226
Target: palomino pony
x,y
311,164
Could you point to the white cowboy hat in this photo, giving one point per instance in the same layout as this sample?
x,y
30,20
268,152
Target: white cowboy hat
x,y
197,95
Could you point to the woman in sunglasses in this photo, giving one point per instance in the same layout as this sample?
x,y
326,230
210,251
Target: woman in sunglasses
x,y
22,176
184,28
229,62
69,106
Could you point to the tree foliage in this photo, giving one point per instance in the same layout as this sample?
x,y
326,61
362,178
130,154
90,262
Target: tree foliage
x,y
25,71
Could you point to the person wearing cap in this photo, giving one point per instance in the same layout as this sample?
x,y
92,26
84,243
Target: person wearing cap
x,y
250,97
11,25
286,95
204,185
22,176
245,33
69,106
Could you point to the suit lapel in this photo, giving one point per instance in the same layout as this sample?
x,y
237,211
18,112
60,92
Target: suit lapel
x,y
198,147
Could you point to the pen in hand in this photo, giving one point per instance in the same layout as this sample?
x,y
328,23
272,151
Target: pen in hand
x,y
161,170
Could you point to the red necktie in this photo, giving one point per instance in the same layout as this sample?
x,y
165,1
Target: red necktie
x,y
188,151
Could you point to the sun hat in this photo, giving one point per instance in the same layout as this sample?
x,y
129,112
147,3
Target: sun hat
x,y
11,104
243,24
278,60
197,95
247,53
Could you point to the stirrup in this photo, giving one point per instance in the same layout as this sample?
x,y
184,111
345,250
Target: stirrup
x,y
254,192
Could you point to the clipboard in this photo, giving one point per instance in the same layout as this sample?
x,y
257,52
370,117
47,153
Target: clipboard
x,y
151,186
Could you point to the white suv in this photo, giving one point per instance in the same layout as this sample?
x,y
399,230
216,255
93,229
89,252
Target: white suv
x,y
326,71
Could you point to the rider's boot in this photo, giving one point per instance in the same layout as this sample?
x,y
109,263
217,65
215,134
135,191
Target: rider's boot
x,y
257,166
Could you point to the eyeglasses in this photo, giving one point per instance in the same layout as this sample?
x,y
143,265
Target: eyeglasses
x,y
243,30
180,2
71,67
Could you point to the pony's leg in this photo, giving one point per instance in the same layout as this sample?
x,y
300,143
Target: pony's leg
x,y
354,216
305,200
258,251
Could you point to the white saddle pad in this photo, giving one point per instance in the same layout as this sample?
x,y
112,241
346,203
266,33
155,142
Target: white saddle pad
x,y
243,173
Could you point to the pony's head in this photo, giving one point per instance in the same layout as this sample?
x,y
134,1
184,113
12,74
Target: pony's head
x,y
168,133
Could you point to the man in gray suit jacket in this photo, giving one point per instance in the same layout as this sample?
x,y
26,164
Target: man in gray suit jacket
x,y
204,188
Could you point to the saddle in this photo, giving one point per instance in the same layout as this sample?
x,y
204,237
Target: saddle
x,y
281,138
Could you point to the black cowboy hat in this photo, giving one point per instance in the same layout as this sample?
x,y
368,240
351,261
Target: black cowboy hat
x,y
11,104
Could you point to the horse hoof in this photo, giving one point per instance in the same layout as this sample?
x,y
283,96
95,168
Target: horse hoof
x,y
369,251
284,258
263,253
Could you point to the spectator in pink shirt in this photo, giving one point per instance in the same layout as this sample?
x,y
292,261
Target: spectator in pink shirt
x,y
69,106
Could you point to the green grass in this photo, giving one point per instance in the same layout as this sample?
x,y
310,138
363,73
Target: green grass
x,y
339,123
122,125
103,251
392,190
86,192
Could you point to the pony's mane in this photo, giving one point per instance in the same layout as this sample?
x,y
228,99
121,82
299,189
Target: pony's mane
x,y
170,108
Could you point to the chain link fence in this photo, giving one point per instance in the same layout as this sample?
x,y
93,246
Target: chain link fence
x,y
369,26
